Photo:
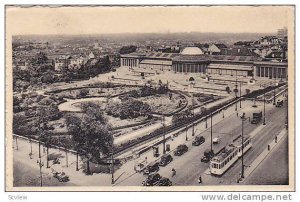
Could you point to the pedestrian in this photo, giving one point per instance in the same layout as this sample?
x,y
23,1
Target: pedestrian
x,y
173,172
275,139
200,180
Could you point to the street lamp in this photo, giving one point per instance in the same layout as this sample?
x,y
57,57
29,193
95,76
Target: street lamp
x,y
186,130
41,164
236,89
243,118
211,132
193,113
274,100
264,121
164,134
240,95
112,166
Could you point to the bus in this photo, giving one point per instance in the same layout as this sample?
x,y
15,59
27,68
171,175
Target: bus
x,y
229,155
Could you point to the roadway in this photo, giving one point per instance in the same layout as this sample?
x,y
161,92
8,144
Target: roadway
x,y
189,167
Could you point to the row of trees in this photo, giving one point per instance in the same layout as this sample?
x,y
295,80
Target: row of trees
x,y
41,71
148,91
91,134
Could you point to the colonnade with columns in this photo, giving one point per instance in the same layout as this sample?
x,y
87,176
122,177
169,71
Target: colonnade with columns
x,y
189,68
130,62
271,72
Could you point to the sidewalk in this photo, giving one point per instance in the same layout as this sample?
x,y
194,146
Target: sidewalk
x,y
263,155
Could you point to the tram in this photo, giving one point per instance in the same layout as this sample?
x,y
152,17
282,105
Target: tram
x,y
229,155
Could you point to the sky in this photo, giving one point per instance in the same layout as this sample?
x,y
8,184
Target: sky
x,y
104,20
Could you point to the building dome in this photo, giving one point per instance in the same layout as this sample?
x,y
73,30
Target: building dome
x,y
192,51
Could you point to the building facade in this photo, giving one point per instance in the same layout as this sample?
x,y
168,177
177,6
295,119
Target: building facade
x,y
192,60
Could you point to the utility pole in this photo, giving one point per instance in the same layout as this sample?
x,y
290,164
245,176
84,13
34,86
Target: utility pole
x,y
77,161
242,174
274,100
41,164
186,130
264,121
112,165
193,113
236,86
240,95
164,134
211,132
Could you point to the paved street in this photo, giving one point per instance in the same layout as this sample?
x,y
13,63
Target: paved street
x,y
189,167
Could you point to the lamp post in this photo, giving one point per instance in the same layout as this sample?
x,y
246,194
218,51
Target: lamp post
x,y
77,167
264,121
164,134
186,130
236,89
243,119
41,164
274,100
112,166
211,132
240,95
193,113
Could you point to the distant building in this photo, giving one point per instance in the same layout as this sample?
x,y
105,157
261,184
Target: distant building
x,y
193,60
282,33
269,40
215,49
91,55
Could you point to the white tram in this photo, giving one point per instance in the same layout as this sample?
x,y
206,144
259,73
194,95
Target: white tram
x,y
229,155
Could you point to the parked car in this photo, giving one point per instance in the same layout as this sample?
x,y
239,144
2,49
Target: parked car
x,y
279,103
216,140
181,149
165,182
151,168
198,140
152,180
165,160
208,155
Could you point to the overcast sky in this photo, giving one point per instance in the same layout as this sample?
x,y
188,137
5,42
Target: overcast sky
x,y
97,20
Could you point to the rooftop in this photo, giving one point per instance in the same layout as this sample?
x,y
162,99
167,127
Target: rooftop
x,y
192,51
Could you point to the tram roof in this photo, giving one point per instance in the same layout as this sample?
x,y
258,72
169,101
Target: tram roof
x,y
238,140
223,154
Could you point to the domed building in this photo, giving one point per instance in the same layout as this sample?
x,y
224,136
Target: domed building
x,y
190,60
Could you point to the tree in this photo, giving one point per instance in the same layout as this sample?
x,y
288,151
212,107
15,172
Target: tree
x,y
39,58
84,92
127,49
191,79
91,134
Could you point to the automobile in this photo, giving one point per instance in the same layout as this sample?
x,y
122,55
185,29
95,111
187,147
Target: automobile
x,y
61,176
165,160
165,182
208,155
198,140
151,168
279,103
152,180
216,140
181,149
